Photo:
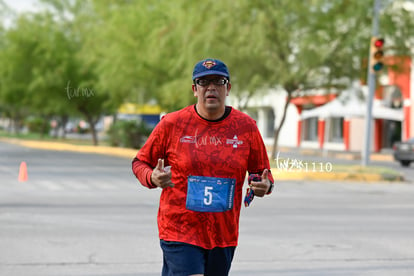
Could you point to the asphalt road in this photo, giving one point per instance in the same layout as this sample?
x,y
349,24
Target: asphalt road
x,y
85,214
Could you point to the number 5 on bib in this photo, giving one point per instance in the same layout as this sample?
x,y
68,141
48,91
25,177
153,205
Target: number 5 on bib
x,y
210,194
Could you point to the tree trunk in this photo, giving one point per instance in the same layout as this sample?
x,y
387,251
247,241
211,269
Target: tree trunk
x,y
94,135
92,123
279,127
89,118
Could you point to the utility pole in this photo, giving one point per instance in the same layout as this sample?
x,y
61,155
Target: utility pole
x,y
371,92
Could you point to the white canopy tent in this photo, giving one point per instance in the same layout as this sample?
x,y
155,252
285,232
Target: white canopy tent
x,y
351,103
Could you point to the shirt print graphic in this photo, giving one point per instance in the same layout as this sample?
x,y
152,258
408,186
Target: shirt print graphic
x,y
205,140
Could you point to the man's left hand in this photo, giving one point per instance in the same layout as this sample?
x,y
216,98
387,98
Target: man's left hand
x,y
262,187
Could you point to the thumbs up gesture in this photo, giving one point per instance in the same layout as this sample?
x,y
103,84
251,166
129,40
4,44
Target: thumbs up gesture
x,y
161,177
260,188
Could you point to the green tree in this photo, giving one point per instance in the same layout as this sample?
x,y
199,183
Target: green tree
x,y
75,22
136,53
54,67
16,70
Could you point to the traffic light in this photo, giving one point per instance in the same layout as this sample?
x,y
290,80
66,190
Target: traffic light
x,y
376,55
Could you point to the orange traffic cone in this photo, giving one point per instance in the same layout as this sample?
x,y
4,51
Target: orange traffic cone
x,y
23,172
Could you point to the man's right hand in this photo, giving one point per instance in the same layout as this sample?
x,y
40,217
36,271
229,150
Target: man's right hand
x,y
160,177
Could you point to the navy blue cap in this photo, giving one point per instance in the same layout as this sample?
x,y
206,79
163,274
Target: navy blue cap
x,y
210,66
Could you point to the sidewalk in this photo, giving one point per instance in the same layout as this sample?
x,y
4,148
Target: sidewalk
x,y
288,171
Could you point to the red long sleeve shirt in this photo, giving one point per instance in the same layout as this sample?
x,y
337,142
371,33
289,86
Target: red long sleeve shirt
x,y
193,146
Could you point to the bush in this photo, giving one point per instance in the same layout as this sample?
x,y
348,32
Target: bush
x,y
130,134
38,125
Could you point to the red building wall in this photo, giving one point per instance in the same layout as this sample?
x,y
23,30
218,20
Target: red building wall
x,y
399,74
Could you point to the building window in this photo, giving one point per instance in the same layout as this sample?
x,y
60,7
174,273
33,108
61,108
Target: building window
x,y
336,130
310,129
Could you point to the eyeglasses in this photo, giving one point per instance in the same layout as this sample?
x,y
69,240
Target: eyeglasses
x,y
206,82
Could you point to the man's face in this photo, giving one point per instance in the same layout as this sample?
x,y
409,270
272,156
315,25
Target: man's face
x,y
211,92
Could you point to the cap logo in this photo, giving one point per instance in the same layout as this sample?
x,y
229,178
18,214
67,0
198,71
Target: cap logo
x,y
209,63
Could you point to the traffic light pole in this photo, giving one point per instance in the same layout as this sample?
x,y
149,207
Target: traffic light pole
x,y
371,92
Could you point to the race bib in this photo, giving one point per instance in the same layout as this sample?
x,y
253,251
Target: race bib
x,y
210,194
